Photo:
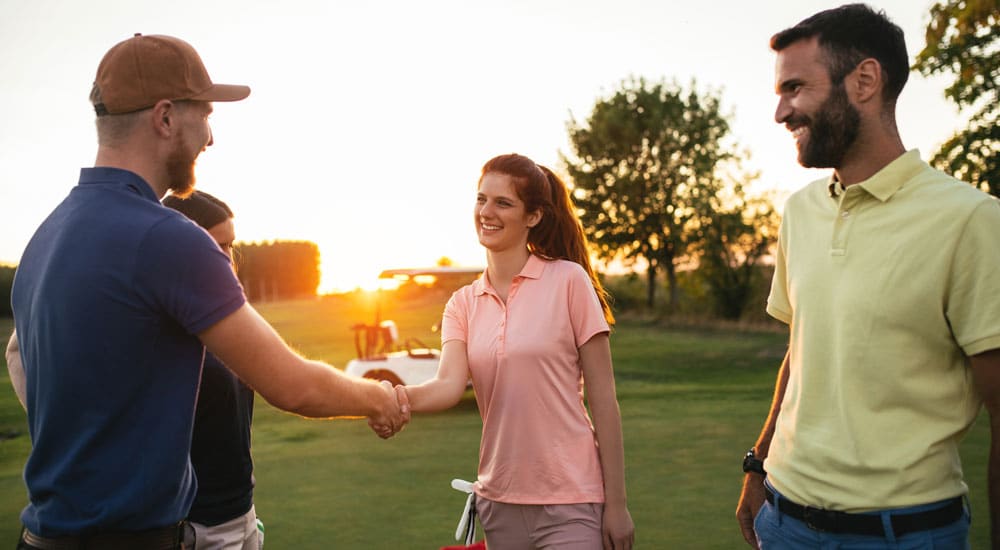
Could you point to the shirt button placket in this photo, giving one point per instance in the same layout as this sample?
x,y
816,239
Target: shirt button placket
x,y
498,338
502,338
841,226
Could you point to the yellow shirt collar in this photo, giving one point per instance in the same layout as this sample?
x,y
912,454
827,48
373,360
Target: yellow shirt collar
x,y
884,183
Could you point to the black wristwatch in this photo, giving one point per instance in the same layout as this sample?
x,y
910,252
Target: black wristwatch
x,y
752,464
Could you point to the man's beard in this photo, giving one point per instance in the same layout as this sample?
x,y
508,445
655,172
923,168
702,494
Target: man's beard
x,y
831,132
180,171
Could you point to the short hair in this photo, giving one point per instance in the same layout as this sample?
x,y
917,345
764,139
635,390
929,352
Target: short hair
x,y
849,35
112,130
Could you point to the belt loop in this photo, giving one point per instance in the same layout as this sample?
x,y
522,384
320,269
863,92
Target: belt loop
x,y
890,533
777,503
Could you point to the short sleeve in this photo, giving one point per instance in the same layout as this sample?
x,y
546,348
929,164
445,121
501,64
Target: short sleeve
x,y
778,303
185,274
585,312
973,303
455,321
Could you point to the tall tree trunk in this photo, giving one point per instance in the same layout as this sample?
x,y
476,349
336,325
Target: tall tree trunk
x,y
672,281
651,283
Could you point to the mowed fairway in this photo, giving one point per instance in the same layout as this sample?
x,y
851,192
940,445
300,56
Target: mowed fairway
x,y
692,401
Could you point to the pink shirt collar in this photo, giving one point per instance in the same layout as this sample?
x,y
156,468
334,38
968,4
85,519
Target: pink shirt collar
x,y
532,269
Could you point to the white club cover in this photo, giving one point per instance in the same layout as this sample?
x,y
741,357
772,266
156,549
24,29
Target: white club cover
x,y
467,523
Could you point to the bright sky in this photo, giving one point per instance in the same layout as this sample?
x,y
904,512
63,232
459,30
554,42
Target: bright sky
x,y
369,121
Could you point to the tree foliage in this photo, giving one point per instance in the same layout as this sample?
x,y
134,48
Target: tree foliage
x,y
644,169
963,38
278,270
736,235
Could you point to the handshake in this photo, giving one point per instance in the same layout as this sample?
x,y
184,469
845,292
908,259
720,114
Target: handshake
x,y
392,411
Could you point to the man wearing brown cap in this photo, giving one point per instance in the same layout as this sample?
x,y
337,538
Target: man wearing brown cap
x,y
115,300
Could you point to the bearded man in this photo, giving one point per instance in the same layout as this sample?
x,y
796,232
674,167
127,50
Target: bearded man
x,y
886,275
115,301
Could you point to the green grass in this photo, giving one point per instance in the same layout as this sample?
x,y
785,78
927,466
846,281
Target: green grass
x,y
692,401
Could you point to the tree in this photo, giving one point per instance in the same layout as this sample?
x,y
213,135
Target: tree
x,y
735,236
963,38
643,168
278,270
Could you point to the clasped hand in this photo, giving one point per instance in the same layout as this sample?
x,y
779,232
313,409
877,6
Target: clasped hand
x,y
395,412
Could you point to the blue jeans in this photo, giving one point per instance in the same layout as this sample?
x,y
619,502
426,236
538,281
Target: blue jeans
x,y
777,531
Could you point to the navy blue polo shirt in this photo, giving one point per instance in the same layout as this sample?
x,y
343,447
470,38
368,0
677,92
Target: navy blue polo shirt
x,y
107,298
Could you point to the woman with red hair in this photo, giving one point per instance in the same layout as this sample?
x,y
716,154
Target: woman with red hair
x,y
532,332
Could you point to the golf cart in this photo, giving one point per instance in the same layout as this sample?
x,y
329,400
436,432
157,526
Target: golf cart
x,y
380,355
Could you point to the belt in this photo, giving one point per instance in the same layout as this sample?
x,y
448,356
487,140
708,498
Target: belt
x,y
833,521
163,538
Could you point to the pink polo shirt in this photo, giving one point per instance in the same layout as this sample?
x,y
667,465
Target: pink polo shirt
x,y
538,444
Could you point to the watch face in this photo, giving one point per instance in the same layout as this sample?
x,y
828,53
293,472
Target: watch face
x,y
752,464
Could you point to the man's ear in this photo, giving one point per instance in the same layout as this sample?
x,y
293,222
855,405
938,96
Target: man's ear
x,y
162,118
866,81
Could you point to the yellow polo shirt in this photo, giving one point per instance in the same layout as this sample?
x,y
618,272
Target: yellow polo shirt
x,y
887,287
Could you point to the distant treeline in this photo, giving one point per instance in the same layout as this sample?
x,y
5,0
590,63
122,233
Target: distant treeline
x,y
278,270
290,269
6,281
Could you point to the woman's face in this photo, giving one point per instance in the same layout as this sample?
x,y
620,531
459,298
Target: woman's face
x,y
501,220
224,233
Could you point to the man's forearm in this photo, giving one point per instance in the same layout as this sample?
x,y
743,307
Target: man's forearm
x,y
993,480
252,349
763,443
986,377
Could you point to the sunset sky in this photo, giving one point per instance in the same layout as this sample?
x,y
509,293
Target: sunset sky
x,y
368,122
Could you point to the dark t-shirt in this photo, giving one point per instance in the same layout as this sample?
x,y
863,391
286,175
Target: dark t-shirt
x,y
108,298
220,447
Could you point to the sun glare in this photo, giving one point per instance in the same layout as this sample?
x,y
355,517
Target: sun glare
x,y
425,280
389,284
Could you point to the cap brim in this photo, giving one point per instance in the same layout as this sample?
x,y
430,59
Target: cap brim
x,y
223,92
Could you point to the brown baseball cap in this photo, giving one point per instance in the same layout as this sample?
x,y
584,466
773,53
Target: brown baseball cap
x,y
138,72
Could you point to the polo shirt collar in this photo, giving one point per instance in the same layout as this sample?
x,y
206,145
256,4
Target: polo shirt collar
x,y
532,269
836,188
117,176
480,286
884,183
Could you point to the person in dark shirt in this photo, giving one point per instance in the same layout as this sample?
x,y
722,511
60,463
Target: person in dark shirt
x,y
223,514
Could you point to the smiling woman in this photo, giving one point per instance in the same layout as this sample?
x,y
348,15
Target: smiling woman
x,y
502,221
531,332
